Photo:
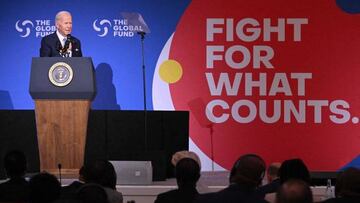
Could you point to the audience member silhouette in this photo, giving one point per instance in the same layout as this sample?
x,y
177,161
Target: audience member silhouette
x,y
294,191
294,169
347,188
246,174
185,154
92,193
44,188
291,169
187,173
69,191
103,173
273,180
273,171
16,188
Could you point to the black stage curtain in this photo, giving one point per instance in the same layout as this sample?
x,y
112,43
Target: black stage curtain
x,y
112,135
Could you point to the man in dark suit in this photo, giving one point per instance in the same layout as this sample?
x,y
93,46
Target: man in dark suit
x,y
246,174
187,172
273,180
61,43
70,191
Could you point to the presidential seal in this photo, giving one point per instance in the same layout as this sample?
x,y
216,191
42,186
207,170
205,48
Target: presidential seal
x,y
60,74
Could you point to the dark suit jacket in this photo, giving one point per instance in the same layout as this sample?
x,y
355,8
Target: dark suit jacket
x,y
70,191
268,188
15,189
235,193
183,195
50,46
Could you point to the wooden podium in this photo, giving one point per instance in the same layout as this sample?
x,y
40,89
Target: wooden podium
x,y
63,89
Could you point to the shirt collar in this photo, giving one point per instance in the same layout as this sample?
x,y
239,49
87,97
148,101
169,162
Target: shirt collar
x,y
61,38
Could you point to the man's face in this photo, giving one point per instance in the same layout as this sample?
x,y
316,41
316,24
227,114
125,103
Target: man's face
x,y
64,24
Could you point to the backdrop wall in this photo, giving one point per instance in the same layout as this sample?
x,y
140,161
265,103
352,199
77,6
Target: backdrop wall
x,y
276,78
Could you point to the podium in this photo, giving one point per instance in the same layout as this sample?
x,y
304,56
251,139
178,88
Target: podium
x,y
63,89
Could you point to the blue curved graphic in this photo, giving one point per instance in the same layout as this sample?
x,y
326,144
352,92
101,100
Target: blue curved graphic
x,y
354,163
349,6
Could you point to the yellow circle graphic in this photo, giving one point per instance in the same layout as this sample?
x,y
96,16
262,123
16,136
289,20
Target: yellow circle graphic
x,y
170,71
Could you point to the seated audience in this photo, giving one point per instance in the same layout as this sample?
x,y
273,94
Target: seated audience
x,y
246,174
294,191
291,169
201,187
347,188
44,188
273,180
103,173
16,188
294,169
185,154
92,193
273,172
187,172
69,191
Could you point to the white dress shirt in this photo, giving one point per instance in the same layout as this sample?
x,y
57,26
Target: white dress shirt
x,y
62,41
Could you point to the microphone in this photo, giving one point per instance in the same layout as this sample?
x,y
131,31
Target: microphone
x,y
69,38
67,43
59,167
63,50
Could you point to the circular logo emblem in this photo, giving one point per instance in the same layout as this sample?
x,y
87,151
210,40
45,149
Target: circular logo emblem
x,y
60,74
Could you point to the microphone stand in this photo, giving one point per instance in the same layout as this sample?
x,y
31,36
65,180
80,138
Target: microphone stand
x,y
212,146
60,179
142,37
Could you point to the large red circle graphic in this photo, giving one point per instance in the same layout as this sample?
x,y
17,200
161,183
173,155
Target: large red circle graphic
x,y
307,37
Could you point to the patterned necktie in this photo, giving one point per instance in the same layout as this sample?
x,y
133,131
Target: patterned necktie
x,y
64,41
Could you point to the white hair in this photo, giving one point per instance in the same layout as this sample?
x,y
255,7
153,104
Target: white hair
x,y
60,13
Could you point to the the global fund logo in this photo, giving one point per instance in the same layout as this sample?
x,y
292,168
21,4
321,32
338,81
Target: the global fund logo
x,y
40,28
115,28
